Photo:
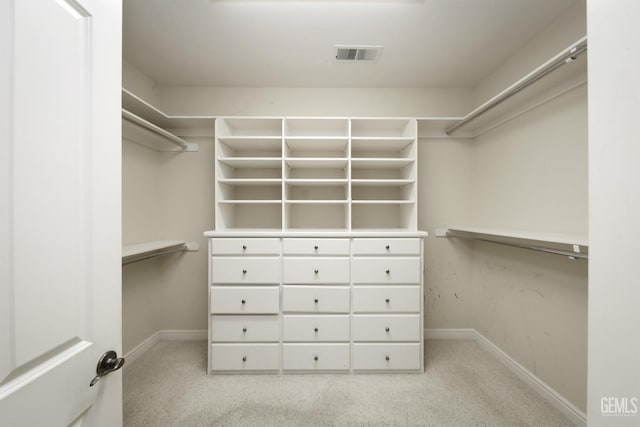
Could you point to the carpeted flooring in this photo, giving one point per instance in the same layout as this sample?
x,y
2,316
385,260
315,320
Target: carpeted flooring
x,y
463,386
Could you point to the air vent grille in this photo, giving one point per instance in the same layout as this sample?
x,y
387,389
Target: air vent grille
x,y
358,53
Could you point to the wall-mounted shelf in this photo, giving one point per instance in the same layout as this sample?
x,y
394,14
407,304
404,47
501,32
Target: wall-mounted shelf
x,y
145,124
142,251
142,108
574,247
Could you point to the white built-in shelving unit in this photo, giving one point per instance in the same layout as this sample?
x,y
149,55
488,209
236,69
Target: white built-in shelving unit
x,y
326,173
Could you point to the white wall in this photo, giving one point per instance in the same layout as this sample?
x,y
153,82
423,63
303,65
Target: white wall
x,y
445,177
141,222
350,102
614,291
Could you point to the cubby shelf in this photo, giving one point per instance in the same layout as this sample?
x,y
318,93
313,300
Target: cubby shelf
x,y
249,202
380,163
251,162
325,166
318,162
249,181
381,182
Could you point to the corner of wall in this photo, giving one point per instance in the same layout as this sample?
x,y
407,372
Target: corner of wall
x,y
136,81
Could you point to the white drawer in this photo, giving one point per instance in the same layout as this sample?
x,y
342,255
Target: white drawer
x,y
386,270
386,328
316,270
244,300
386,357
386,299
315,246
315,328
242,246
315,299
312,357
407,246
245,270
245,357
245,328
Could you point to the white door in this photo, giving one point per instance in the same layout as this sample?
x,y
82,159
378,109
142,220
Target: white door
x,y
60,65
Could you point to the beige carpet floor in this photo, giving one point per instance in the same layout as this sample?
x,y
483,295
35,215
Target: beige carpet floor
x,y
463,385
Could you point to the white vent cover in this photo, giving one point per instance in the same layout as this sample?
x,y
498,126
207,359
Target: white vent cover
x,y
358,53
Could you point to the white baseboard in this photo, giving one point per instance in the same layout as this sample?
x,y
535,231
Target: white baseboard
x,y
137,351
166,335
450,334
553,397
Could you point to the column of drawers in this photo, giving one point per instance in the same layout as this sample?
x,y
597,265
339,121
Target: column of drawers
x,y
387,304
244,305
316,305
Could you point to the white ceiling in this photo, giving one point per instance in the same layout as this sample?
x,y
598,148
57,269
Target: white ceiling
x,y
427,43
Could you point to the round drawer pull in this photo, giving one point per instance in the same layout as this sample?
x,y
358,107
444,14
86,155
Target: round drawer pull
x,y
387,300
316,271
387,247
244,358
315,358
315,329
243,302
387,329
244,329
244,271
315,300
244,247
387,358
388,271
315,247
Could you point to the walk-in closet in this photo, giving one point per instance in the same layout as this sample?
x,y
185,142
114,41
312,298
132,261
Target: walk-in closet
x,y
354,217
320,213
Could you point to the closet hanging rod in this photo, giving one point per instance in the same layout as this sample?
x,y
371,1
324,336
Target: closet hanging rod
x,y
130,117
565,57
154,253
555,251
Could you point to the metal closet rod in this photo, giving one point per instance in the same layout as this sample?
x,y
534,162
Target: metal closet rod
x,y
137,120
568,56
570,254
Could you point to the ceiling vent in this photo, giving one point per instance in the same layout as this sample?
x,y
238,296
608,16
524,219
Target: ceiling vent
x,y
358,53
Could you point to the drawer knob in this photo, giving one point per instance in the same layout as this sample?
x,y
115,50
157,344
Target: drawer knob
x,y
387,358
387,329
316,271
244,247
244,358
315,358
243,301
315,329
387,247
315,247
244,329
315,300
387,271
387,300
244,271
